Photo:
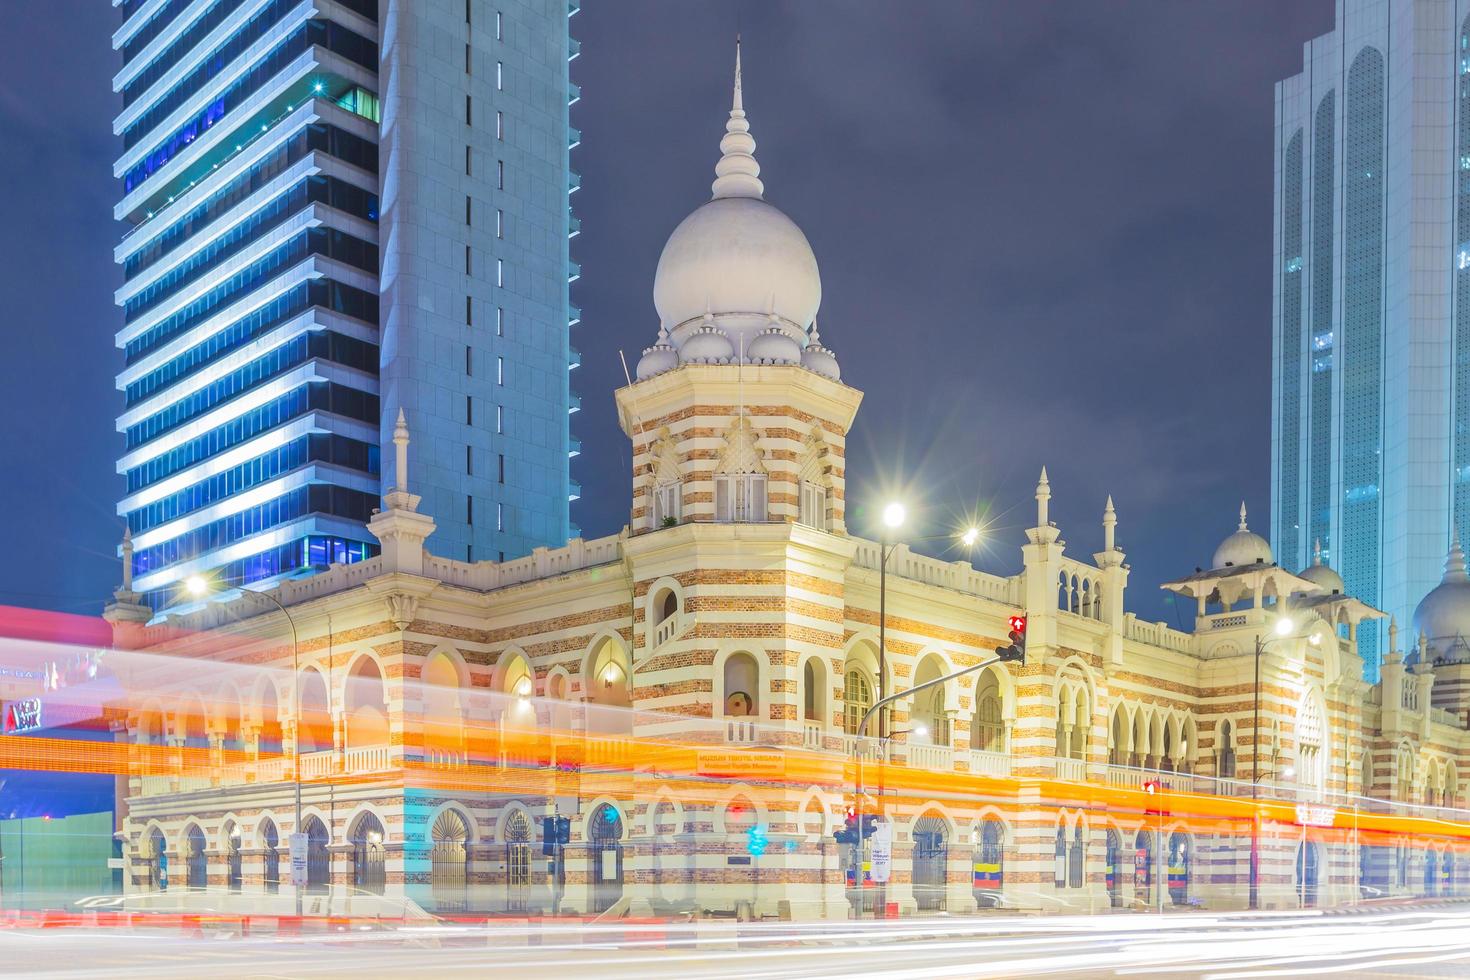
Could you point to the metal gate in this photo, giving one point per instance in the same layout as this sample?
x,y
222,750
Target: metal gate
x,y
605,851
198,861
318,861
449,863
368,872
1306,874
931,854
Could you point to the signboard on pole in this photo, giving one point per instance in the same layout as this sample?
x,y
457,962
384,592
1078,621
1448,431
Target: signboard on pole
x,y
298,860
882,852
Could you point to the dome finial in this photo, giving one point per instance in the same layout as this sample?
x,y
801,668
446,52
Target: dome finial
x,y
1242,526
1454,565
737,174
1317,552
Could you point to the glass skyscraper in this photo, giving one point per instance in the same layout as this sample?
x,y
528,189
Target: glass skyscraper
x,y
335,209
1371,303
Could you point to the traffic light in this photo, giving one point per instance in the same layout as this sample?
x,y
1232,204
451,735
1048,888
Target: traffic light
x,y
756,840
848,833
563,830
1015,651
1153,788
870,825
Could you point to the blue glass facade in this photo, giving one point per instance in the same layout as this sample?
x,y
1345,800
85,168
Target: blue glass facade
x,y
1372,395
265,329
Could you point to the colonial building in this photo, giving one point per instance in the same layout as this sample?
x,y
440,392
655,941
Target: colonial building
x,y
687,692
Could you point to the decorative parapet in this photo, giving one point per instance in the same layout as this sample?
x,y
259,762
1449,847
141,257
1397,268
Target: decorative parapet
x,y
959,576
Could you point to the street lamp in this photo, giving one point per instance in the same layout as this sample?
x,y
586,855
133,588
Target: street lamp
x,y
1284,628
198,586
894,515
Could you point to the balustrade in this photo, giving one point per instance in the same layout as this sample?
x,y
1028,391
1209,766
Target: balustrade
x,y
1072,770
985,763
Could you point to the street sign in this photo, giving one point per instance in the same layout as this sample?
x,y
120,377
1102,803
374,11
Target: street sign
x,y
882,852
21,716
298,860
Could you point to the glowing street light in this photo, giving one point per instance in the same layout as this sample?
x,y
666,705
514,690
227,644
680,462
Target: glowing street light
x,y
894,514
971,535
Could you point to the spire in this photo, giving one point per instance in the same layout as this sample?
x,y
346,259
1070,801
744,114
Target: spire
x,y
1317,552
1043,494
1454,565
737,174
1242,526
127,560
400,444
1110,524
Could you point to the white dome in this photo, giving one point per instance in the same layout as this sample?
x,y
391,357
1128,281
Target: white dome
x,y
659,358
817,358
773,346
1442,617
1244,547
1322,575
707,345
737,255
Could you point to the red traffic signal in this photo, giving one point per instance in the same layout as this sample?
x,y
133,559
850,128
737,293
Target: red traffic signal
x,y
1150,786
1017,624
1015,650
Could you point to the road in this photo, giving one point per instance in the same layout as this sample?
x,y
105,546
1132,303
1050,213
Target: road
x,y
1409,942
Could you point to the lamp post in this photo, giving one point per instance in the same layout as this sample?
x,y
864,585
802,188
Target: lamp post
x,y
198,586
1283,629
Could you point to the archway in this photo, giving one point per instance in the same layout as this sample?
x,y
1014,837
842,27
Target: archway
x,y
449,863
928,717
987,733
517,861
988,874
931,857
741,676
1179,868
270,841
1307,871
607,685
442,711
318,861
605,839
157,856
234,865
1113,872
314,730
196,858
1143,868
369,873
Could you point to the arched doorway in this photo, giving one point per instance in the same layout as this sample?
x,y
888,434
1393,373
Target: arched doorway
x,y
931,855
1431,872
1113,873
369,873
270,839
1143,868
234,864
988,875
197,860
1179,868
318,861
517,862
157,854
605,850
1307,871
607,687
449,863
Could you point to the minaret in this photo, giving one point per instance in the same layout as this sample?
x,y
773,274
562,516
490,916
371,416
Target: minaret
x,y
1114,583
400,528
1042,556
126,612
737,174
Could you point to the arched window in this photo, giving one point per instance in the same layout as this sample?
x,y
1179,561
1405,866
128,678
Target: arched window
x,y
517,861
742,694
367,720
1143,867
1059,863
988,731
196,857
668,503
449,862
368,857
813,505
857,697
810,690
1309,743
270,839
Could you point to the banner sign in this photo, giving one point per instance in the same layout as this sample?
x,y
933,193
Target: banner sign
x,y
21,716
882,852
298,860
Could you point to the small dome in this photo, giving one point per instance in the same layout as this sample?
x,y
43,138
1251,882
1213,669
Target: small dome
x,y
773,346
659,358
1322,575
817,358
1244,547
707,345
1442,617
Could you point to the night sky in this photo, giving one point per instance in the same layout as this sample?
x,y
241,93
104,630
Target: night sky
x,y
1044,231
